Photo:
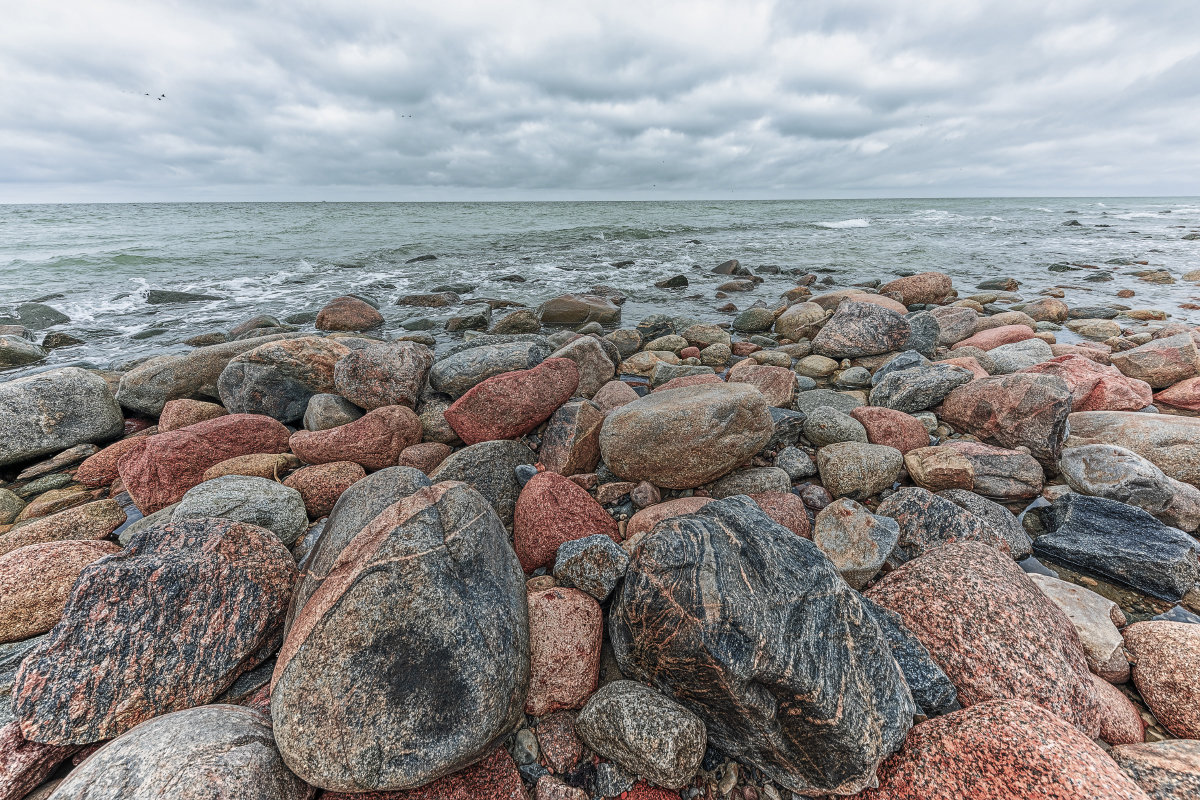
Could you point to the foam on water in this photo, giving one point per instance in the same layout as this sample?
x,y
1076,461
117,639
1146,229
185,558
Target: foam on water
x,y
846,223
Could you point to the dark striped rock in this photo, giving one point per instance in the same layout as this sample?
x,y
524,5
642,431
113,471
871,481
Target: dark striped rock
x,y
379,375
1120,542
996,517
1167,770
456,372
1019,410
278,378
11,656
411,660
54,410
168,624
928,521
992,631
160,469
24,764
218,752
727,612
489,468
919,388
932,691
861,329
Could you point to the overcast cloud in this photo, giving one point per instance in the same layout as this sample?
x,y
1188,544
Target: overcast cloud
x,y
308,100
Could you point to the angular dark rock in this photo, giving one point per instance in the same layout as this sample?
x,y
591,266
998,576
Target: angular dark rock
x,y
861,329
731,614
920,388
995,517
932,691
928,521
412,659
122,654
571,440
489,468
592,564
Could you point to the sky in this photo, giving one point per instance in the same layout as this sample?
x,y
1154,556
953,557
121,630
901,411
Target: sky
x,y
121,100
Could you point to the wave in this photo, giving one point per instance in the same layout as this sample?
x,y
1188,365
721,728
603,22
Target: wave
x,y
845,223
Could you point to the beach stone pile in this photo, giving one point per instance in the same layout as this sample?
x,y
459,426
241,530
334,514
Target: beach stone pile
x,y
892,541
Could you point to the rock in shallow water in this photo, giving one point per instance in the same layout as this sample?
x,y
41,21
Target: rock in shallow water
x,y
731,615
411,659
54,410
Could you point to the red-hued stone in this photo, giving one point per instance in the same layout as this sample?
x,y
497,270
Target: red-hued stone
x,y
322,484
101,468
559,743
375,440
1166,671
24,764
645,520
1015,410
893,428
925,287
1095,387
1120,722
743,349
348,314
990,629
565,634
688,380
968,363
1184,396
1000,750
161,468
994,337
614,394
178,414
1093,351
513,403
424,456
644,791
785,508
689,352
551,510
89,521
492,778
777,384
36,580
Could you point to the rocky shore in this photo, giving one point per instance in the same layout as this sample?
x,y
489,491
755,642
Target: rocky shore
x,y
886,541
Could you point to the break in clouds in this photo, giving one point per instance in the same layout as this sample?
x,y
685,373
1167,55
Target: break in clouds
x,y
465,100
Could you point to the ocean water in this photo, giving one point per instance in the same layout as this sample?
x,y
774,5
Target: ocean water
x,y
95,263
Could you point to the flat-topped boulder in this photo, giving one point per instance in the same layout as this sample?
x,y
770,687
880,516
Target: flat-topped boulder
x,y
1170,442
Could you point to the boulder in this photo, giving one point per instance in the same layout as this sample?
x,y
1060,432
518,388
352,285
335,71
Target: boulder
x,y
36,317
726,611
751,481
928,521
594,365
89,521
1115,473
1120,720
1120,542
121,655
571,441
1161,362
777,384
592,564
1019,356
683,438
565,636
321,485
923,288
1182,397
379,375
424,456
178,414
1095,387
217,752
1047,309
513,404
457,372
1001,750
1172,443
644,732
1020,410
999,473
785,508
891,428
100,469
1092,617
552,510
579,309
798,320
995,517
996,337
255,465
160,469
16,351
812,399
913,390
412,659
932,691
645,520
991,630
857,470
826,425
614,394
348,314
1166,661
374,441
24,764
861,329
955,323
325,411
278,378
36,580
488,467
54,410
256,501
855,540
1167,770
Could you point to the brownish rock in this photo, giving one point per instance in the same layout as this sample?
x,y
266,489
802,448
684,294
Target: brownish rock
x,y
1169,441
1166,661
101,469
578,309
91,521
280,377
783,507
256,465
1000,474
35,581
571,441
1047,309
614,394
1161,362
424,456
391,374
1018,410
513,403
374,440
348,314
777,384
558,741
322,484
178,414
552,510
1092,351
940,467
892,428
54,501
565,634
924,287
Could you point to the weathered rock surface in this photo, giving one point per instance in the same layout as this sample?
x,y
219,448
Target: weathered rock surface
x,y
1019,410
1120,720
565,635
217,752
991,630
726,612
855,540
643,731
1167,770
995,517
861,329
891,428
999,336
1092,617
1166,661
826,425
458,371
411,659
1019,356
683,438
493,777
122,655
36,580
858,471
321,485
924,287
16,351
932,691
24,764
379,375
595,366
578,309
325,411
1170,442
999,473
571,441
1095,387
1118,474
178,414
1182,397
256,501
160,469
645,520
1161,362
777,384
488,467
513,404
54,410
552,510
913,390
592,564
89,521
374,441
928,521
278,378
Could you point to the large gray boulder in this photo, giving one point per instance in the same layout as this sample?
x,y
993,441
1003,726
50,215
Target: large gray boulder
x,y
258,501
279,378
55,410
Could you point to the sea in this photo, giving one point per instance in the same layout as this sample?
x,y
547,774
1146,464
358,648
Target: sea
x,y
96,263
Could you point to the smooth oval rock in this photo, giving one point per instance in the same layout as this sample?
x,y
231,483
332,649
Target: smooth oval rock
x,y
36,580
54,410
1166,660
513,404
550,511
256,501
373,441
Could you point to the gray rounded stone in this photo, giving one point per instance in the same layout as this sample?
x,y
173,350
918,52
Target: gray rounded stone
x,y
258,501
751,480
490,467
857,470
826,425
796,463
592,564
455,373
327,411
55,410
16,351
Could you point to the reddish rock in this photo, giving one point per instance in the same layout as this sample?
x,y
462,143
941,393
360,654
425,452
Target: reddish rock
x,y
1013,411
348,314
645,520
90,521
1095,387
1166,663
424,456
271,466
1000,750
558,742
565,628
892,428
322,484
925,287
551,510
684,381
101,469
995,337
785,508
689,352
991,630
160,470
644,791
54,501
1182,396
36,580
375,440
492,778
513,403
609,493
1120,722
743,349
1161,362
178,414
968,363
777,384
571,441
382,375
614,394
24,764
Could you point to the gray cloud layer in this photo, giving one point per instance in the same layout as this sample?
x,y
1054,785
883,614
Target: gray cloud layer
x,y
458,100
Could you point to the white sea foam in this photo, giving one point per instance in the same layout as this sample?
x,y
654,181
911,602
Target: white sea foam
x,y
845,223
